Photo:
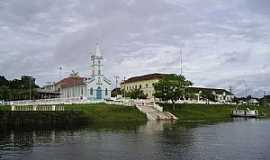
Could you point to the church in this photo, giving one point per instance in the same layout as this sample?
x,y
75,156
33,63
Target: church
x,y
94,87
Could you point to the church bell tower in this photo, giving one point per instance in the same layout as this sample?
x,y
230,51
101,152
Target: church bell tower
x,y
97,63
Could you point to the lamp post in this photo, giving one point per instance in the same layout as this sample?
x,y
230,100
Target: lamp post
x,y
60,72
30,92
124,87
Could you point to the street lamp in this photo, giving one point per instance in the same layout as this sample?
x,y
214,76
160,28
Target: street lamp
x,y
124,87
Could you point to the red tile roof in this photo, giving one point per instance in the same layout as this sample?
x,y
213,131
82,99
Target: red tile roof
x,y
71,81
145,77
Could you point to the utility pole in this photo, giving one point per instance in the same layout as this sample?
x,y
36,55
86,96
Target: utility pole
x,y
264,93
181,61
30,92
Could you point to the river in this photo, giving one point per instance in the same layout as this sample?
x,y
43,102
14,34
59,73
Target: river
x,y
238,139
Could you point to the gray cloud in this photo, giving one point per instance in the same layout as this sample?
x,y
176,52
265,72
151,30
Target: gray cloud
x,y
223,42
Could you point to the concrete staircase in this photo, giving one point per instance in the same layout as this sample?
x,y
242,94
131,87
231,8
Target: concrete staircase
x,y
154,113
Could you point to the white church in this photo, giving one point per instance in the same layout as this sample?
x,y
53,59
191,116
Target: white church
x,y
94,87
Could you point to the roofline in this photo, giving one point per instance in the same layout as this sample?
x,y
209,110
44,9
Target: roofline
x,y
141,77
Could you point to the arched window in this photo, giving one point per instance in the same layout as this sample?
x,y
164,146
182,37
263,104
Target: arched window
x,y
106,91
91,91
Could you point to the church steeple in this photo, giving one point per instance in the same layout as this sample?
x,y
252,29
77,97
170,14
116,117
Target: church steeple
x,y
98,52
96,62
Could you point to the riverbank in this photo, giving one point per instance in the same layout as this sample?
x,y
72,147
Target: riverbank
x,y
74,115
102,112
207,113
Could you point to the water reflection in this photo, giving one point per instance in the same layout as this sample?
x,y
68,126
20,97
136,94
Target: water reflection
x,y
240,139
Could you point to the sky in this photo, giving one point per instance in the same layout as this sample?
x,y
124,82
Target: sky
x,y
224,43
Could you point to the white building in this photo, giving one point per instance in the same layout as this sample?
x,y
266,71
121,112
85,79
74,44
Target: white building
x,y
94,87
145,83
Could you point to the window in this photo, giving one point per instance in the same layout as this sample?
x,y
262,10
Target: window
x,y
99,72
140,86
106,91
146,85
91,91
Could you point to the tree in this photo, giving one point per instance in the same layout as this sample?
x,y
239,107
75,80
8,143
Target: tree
x,y
3,81
116,91
171,88
136,94
17,89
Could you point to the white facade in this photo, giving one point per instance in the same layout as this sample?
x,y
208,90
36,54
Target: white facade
x,y
95,87
74,91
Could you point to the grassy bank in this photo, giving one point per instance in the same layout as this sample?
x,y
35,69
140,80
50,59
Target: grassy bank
x,y
206,113
78,114
109,113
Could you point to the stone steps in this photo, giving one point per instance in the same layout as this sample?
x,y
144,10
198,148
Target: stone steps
x,y
154,114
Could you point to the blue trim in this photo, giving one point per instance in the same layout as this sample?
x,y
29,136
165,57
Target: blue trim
x,y
98,93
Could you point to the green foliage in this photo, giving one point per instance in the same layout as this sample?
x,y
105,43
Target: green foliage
x,y
136,94
200,112
171,87
115,92
207,112
3,81
17,89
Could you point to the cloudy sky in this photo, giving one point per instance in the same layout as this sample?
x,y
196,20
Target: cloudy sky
x,y
224,43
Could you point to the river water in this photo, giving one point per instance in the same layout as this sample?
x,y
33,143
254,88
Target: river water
x,y
238,139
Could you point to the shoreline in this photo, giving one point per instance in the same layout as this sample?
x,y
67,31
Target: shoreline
x,y
73,116
77,115
205,113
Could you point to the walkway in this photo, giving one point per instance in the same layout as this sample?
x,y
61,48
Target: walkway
x,y
154,112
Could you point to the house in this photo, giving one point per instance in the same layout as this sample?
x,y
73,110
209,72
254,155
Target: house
x,y
48,91
211,94
73,86
145,83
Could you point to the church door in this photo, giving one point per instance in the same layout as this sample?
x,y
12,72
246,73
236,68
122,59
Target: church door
x,y
99,93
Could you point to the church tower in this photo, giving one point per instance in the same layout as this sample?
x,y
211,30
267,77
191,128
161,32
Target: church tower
x,y
98,86
97,63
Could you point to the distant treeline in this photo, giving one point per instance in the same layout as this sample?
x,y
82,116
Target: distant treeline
x,y
17,89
